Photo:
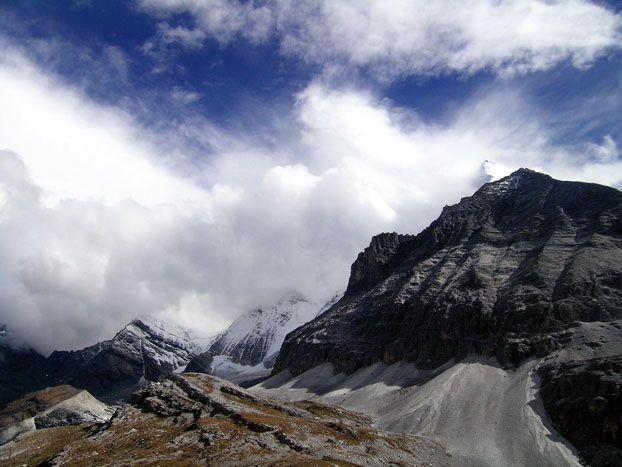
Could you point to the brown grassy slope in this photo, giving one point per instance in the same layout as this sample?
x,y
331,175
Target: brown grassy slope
x,y
201,420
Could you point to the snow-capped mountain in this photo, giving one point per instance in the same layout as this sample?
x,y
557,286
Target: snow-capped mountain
x,y
144,350
248,348
161,347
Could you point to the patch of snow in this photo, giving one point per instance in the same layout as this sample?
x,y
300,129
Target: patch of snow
x,y
496,171
268,328
502,186
223,367
196,341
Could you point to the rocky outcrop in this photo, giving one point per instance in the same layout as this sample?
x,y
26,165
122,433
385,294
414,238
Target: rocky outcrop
x,y
200,364
50,407
377,261
195,419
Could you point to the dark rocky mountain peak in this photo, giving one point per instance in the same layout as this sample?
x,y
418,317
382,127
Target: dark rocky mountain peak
x,y
375,262
504,272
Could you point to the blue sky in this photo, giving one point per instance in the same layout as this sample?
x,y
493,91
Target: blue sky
x,y
192,159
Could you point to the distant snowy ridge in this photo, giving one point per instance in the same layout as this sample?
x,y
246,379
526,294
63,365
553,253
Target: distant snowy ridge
x,y
144,350
170,345
248,348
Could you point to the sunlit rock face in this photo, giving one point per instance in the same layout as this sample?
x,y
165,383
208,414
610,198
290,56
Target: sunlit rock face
x,y
48,408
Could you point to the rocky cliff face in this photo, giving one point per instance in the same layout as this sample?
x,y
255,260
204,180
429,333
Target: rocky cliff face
x,y
195,419
508,272
501,273
582,390
375,264
142,351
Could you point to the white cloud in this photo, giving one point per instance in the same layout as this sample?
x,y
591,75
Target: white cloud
x,y
191,38
404,37
184,97
75,149
606,152
98,224
222,19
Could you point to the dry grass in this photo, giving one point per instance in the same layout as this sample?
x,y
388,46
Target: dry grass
x,y
320,435
36,446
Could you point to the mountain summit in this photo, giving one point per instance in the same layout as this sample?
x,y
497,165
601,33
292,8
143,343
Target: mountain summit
x,y
503,273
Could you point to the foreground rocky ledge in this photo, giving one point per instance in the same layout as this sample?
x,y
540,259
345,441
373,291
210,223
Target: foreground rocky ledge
x,y
196,419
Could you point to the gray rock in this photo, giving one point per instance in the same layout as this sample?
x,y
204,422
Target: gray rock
x,y
504,273
582,391
201,363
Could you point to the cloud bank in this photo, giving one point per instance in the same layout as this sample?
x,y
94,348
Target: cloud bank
x,y
102,220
